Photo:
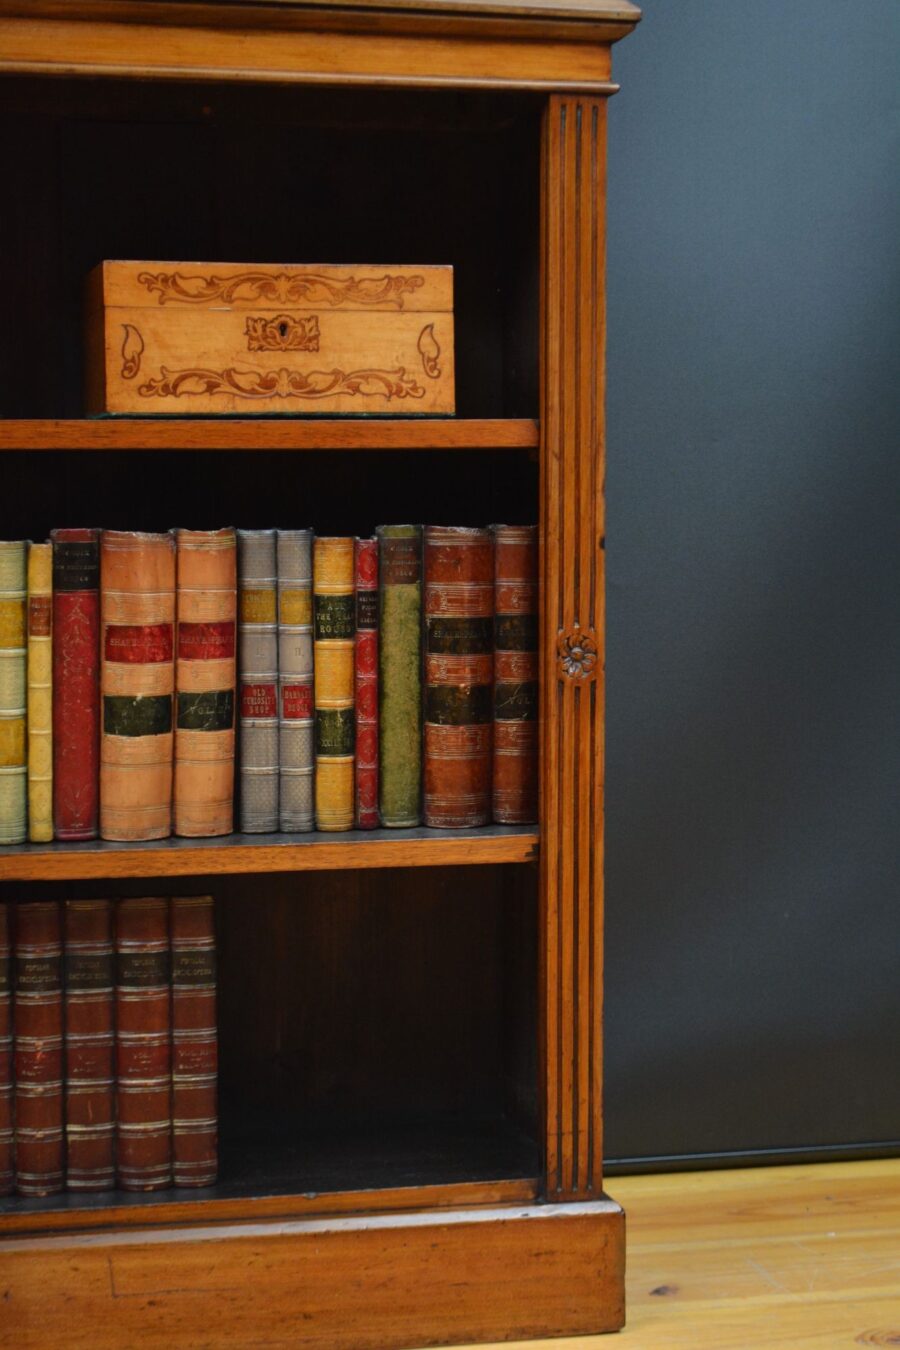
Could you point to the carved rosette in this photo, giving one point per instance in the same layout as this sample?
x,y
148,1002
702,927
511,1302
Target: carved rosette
x,y
283,333
284,288
577,654
284,383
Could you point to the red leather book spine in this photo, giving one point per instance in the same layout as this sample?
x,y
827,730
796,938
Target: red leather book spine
x,y
366,679
515,674
38,1015
143,1046
459,667
194,1041
76,683
90,1046
7,1171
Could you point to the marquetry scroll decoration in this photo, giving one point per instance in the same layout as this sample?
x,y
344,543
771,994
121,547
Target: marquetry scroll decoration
x,y
261,384
577,654
429,350
281,287
284,333
132,349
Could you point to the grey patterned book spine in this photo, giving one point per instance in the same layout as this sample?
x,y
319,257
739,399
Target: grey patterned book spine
x,y
296,726
258,665
13,759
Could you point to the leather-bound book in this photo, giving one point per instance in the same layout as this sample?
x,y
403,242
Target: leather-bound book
x,y
459,669
90,1046
296,723
514,791
366,684
206,565
13,769
143,1046
335,627
76,683
258,666
400,675
194,1041
137,678
38,1020
7,1170
40,693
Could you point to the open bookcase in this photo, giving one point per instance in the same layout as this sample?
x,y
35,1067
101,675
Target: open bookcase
x,y
409,1020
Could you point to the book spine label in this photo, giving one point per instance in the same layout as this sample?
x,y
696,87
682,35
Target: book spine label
x,y
258,664
89,977
13,759
137,574
366,684
76,683
7,1171
40,693
205,670
514,791
459,667
296,720
38,1018
194,1041
334,614
143,1046
400,675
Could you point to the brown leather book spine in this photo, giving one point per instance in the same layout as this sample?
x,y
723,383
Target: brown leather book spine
x,y
137,680
143,1046
7,1171
205,682
38,1016
90,1046
76,682
194,1041
515,777
459,667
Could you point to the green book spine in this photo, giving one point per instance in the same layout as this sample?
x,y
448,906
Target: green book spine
x,y
400,675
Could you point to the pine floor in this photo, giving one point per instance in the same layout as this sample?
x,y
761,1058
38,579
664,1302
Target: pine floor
x,y
785,1257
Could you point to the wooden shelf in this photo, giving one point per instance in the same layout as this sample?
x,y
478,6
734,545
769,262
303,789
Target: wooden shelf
x,y
268,433
270,853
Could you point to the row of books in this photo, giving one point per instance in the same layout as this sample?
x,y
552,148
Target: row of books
x,y
390,680
108,1045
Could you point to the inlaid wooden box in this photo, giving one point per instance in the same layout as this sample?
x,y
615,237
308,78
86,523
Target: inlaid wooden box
x,y
201,338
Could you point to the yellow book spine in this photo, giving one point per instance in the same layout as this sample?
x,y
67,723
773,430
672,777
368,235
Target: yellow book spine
x,y
40,693
334,617
12,692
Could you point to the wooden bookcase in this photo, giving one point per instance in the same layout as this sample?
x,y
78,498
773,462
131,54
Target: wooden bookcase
x,y
410,1021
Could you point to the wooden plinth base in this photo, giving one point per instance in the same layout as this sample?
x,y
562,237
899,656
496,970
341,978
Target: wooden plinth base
x,y
376,1282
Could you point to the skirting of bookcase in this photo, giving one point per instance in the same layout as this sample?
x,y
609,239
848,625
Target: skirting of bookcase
x,y
270,853
363,1282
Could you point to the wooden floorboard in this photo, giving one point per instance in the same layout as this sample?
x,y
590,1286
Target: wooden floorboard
x,y
805,1257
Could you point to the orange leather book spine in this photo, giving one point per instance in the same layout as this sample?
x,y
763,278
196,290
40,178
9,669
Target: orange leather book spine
x,y
143,1045
7,1172
205,682
334,614
194,1041
90,1046
137,680
515,776
459,666
38,1017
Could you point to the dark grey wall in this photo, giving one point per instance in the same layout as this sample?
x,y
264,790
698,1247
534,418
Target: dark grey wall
x,y
753,932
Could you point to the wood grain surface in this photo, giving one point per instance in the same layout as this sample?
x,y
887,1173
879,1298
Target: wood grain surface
x,y
382,433
769,1258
